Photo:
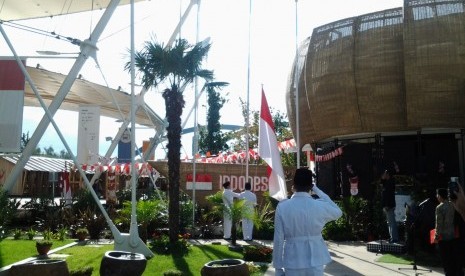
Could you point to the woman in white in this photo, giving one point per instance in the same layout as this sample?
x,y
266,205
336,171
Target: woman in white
x,y
298,246
250,203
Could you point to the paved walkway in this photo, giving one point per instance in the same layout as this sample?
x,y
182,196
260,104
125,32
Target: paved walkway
x,y
352,259
349,259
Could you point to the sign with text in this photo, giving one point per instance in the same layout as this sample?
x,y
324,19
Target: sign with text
x,y
88,134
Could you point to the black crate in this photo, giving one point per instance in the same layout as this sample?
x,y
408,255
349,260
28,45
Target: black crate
x,y
386,247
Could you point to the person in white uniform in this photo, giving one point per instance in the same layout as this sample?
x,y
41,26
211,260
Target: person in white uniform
x,y
298,246
228,199
249,209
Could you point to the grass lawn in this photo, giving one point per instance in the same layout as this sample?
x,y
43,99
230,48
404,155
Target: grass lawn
x,y
12,251
91,255
422,258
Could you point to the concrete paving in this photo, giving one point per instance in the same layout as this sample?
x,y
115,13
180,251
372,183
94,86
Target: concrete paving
x,y
352,259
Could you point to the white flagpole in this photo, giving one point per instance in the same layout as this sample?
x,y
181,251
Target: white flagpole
x,y
247,119
196,129
296,83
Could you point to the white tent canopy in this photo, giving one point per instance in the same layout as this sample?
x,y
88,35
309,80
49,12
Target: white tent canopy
x,y
21,9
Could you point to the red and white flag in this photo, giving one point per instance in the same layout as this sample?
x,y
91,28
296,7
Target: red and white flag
x,y
268,151
64,181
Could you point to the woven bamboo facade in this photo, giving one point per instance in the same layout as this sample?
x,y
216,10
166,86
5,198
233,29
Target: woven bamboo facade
x,y
395,70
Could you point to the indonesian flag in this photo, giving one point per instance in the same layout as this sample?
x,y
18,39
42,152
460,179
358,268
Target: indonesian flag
x,y
268,151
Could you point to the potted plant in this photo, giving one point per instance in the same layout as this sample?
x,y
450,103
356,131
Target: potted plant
x,y
82,233
43,246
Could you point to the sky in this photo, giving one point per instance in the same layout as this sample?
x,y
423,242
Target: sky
x,y
270,48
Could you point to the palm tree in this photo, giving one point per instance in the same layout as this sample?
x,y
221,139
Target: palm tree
x,y
177,66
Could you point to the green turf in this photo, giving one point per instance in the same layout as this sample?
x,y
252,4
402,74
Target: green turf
x,y
91,255
12,251
422,258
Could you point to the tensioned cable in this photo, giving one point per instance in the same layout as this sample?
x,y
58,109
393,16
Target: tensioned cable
x,y
41,32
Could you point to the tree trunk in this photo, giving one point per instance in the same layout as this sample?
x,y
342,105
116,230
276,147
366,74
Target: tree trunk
x,y
174,103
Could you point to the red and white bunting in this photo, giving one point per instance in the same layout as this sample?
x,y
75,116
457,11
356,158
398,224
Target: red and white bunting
x,y
329,155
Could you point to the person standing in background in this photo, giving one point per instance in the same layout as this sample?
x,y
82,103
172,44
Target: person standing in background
x,y
388,202
445,235
298,245
228,199
249,210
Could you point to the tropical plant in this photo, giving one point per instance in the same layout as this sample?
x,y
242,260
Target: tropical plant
x,y
236,211
147,212
17,233
47,234
258,253
31,233
82,233
178,65
62,233
8,209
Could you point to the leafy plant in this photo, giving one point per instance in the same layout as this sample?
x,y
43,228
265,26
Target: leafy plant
x,y
93,221
48,234
31,233
148,211
8,209
44,242
161,244
62,233
17,233
258,253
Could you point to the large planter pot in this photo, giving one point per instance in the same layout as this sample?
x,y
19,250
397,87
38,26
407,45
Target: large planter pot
x,y
121,263
42,249
49,267
225,267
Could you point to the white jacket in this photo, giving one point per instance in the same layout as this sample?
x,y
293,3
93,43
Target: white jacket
x,y
298,242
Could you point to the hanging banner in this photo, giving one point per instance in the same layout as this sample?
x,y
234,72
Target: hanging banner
x,y
329,155
88,134
11,105
124,147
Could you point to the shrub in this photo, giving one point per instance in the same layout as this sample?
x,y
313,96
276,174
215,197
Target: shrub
x,y
44,242
31,233
257,253
17,234
62,233
48,234
161,245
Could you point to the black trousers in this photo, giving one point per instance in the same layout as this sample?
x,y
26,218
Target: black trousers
x,y
450,257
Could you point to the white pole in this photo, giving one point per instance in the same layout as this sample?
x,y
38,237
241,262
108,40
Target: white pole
x,y
296,83
196,129
247,119
133,230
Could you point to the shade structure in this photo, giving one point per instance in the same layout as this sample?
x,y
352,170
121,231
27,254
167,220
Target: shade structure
x,y
18,10
394,70
86,92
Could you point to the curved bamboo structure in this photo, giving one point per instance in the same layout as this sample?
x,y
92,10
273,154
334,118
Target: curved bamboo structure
x,y
395,70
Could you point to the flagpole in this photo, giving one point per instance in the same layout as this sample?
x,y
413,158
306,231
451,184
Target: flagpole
x,y
248,105
196,129
296,83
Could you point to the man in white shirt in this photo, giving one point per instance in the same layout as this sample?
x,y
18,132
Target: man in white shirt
x,y
298,246
228,199
249,210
